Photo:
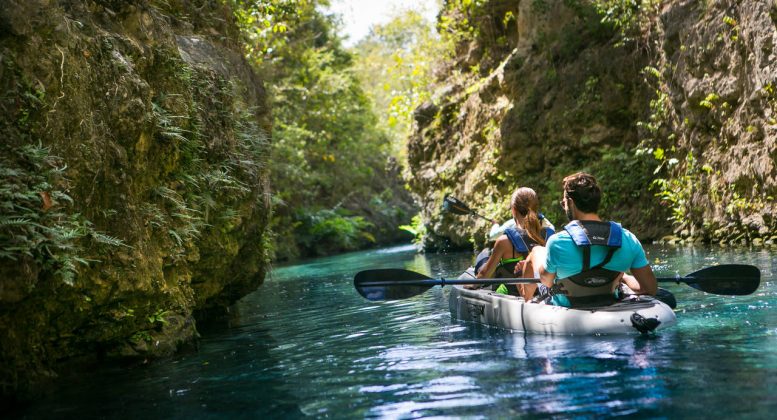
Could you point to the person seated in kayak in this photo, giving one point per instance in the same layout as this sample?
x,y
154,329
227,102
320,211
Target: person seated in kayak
x,y
585,262
516,243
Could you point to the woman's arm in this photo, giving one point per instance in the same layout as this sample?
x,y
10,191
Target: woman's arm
x,y
502,247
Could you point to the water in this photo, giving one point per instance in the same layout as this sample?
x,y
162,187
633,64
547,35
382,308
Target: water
x,y
306,344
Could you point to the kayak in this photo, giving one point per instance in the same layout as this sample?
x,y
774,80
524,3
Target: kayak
x,y
633,314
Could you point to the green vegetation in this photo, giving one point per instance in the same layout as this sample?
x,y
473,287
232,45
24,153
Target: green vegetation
x,y
394,64
659,141
38,225
132,179
35,222
207,181
158,317
416,228
628,17
330,154
462,28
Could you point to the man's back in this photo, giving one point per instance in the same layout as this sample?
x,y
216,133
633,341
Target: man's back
x,y
566,259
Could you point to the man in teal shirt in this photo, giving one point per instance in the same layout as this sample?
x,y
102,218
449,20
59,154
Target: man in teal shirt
x,y
589,257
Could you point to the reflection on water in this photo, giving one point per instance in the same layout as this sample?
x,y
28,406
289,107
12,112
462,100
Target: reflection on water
x,y
306,344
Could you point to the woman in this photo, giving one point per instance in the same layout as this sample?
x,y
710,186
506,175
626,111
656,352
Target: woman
x,y
515,245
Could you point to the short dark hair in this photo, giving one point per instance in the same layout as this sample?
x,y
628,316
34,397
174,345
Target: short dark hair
x,y
584,191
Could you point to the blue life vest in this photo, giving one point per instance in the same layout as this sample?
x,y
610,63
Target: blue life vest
x,y
593,285
521,241
522,245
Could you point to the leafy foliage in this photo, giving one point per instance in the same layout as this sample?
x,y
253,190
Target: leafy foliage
x,y
334,230
208,181
627,16
261,21
464,28
417,228
394,63
329,153
35,222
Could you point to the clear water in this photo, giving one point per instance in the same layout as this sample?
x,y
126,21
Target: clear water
x,y
306,344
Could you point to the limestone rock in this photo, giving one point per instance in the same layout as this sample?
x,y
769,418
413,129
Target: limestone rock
x,y
134,105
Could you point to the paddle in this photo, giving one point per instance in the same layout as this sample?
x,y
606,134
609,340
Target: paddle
x,y
456,206
395,283
726,279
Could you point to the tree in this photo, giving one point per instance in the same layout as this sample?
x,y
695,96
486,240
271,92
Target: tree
x,y
332,189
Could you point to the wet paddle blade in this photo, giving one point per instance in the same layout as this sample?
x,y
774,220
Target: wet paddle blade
x,y
667,297
727,279
455,206
401,284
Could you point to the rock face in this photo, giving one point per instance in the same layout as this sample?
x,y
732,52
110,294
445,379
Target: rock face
x,y
672,109
717,89
135,189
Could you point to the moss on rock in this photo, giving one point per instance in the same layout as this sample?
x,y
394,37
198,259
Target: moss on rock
x,y
154,137
670,107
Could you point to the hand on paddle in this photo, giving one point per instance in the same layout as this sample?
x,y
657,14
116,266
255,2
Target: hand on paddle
x,y
519,268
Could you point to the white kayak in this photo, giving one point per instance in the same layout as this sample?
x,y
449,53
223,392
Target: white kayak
x,y
487,307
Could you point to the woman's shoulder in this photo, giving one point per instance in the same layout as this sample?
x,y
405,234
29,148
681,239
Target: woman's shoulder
x,y
502,246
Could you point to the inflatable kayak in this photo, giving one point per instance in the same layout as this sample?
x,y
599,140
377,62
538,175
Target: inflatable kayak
x,y
634,314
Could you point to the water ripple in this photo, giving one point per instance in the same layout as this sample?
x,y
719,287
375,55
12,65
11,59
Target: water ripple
x,y
306,344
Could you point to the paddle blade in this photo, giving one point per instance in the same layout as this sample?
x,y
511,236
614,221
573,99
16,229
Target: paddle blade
x,y
398,289
728,279
667,297
455,206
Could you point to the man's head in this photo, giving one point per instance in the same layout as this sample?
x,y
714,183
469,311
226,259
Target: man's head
x,y
583,190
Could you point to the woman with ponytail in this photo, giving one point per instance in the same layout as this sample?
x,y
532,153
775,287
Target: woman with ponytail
x,y
515,245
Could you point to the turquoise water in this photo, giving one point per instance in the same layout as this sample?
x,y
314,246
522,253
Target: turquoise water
x,y
306,344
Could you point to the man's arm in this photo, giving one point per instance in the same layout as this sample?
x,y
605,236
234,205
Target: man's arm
x,y
546,277
642,281
551,249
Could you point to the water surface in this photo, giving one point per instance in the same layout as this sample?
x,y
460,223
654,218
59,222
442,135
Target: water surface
x,y
306,344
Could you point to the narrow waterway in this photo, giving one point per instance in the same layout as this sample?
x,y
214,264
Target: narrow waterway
x,y
306,344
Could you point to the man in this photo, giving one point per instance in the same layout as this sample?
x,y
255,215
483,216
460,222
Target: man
x,y
586,261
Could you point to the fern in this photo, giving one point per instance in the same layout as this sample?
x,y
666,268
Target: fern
x,y
51,237
19,221
176,236
108,240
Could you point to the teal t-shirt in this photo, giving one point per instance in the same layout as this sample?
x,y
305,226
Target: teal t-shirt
x,y
566,259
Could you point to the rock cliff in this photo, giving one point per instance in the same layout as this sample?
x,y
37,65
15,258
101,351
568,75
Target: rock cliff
x,y
135,190
670,104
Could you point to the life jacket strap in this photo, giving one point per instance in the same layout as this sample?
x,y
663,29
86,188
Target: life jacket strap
x,y
516,238
595,233
593,285
548,232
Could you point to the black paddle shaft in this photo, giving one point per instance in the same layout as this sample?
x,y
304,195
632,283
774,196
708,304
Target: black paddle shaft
x,y
395,283
456,206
